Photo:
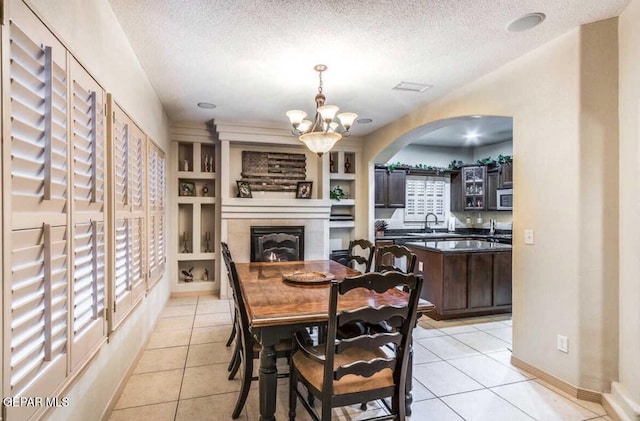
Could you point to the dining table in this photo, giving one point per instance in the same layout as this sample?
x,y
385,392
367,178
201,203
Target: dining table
x,y
279,303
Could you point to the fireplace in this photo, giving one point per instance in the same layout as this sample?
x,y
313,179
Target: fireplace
x,y
270,244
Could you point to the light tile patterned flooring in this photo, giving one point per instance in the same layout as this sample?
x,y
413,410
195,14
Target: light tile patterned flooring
x,y
461,372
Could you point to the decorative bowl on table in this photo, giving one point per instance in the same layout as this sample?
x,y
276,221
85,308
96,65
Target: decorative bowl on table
x,y
308,277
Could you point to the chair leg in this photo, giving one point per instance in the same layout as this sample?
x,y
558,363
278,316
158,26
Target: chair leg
x,y
293,396
233,332
234,356
326,408
246,385
236,360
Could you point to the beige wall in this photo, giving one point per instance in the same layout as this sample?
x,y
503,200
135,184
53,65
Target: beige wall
x,y
627,391
562,127
90,31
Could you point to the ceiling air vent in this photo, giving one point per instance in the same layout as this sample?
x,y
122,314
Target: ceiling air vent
x,y
410,86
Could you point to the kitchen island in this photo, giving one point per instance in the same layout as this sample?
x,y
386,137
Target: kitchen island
x,y
464,277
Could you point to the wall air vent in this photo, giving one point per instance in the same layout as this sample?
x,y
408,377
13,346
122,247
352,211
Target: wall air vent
x,y
410,86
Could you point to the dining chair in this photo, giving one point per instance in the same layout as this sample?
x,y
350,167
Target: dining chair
x,y
386,259
247,349
361,368
361,252
226,254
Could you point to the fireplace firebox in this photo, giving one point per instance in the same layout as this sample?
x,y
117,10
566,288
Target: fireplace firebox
x,y
273,244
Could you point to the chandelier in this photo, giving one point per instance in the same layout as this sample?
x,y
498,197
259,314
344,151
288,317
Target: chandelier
x,y
326,128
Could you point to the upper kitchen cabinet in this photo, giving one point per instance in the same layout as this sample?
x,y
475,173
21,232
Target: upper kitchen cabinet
x,y
468,189
390,188
506,175
473,187
493,181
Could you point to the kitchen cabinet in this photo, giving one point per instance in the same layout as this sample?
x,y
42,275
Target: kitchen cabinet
x,y
390,188
506,175
493,182
463,283
468,189
473,187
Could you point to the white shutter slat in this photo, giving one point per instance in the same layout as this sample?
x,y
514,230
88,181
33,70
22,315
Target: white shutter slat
x,y
38,301
88,298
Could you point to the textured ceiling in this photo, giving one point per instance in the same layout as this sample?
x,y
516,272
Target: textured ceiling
x,y
254,59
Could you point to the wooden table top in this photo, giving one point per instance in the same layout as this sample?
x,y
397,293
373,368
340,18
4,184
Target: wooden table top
x,y
271,301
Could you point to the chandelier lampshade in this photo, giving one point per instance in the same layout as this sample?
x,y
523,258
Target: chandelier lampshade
x,y
327,127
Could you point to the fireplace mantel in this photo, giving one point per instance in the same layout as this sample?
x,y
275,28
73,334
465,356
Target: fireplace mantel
x,y
255,208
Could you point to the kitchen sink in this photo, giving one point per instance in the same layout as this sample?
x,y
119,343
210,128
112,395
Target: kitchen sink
x,y
433,234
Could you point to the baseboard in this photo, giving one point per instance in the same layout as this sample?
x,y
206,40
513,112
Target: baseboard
x,y
576,392
619,406
123,382
182,294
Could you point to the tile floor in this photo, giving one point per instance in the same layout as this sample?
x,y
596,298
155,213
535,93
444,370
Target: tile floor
x,y
461,372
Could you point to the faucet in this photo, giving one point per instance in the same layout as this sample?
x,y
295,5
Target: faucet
x,y
492,226
426,221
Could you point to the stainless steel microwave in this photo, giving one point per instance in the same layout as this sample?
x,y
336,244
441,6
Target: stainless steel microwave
x,y
504,199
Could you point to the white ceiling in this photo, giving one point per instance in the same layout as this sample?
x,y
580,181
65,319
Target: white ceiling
x,y
255,59
467,131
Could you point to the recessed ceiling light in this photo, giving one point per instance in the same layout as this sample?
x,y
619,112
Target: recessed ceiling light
x,y
364,120
206,105
472,135
525,22
410,86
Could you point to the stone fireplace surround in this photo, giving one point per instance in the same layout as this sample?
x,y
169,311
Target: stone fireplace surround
x,y
239,215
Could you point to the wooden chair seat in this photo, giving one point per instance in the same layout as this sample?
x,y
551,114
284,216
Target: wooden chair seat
x,y
313,371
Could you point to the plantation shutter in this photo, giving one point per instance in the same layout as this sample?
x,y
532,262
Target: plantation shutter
x,y
156,183
425,194
38,129
88,258
36,267
129,241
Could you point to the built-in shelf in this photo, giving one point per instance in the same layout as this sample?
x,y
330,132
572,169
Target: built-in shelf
x,y
193,175
195,256
195,226
342,176
192,200
342,224
343,202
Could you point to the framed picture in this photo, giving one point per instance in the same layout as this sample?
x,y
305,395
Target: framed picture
x,y
244,189
304,190
187,188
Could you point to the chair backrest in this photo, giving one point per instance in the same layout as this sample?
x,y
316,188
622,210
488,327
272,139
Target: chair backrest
x,y
226,255
386,256
401,316
367,248
238,300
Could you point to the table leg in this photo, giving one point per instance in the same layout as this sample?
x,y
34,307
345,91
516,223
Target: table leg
x,y
268,377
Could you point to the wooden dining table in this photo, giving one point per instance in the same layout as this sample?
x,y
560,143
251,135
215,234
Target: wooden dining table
x,y
277,308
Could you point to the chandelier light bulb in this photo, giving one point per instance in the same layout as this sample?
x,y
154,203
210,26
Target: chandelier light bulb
x,y
347,119
296,116
304,125
328,112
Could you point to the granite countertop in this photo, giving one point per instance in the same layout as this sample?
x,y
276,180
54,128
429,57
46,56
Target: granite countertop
x,y
459,246
437,235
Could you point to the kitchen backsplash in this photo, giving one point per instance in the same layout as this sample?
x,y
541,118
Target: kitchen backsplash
x,y
395,220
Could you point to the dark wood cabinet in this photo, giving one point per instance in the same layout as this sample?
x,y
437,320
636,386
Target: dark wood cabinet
x,y
454,282
506,175
475,187
381,187
456,192
493,181
390,188
465,284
